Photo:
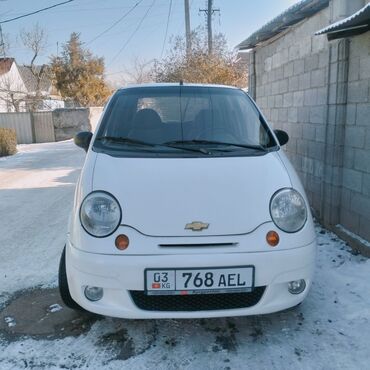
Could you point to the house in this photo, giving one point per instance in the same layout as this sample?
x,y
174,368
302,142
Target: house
x,y
12,88
22,90
51,99
309,71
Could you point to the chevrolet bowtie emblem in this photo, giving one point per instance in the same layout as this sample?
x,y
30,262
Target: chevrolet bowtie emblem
x,y
196,226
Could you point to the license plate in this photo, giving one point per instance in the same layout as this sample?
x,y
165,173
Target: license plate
x,y
199,281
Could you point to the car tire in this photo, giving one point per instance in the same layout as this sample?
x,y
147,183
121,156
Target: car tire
x,y
63,285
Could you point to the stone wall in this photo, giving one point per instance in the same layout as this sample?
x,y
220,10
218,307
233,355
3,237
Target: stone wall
x,y
69,121
318,91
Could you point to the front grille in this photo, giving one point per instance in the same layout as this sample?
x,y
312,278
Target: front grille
x,y
196,302
199,245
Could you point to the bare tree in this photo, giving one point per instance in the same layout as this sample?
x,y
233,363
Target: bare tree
x,y
4,43
138,72
35,40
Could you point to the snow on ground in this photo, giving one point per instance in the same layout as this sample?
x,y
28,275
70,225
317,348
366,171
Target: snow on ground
x,y
330,330
36,193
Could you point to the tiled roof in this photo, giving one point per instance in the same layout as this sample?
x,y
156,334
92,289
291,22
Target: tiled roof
x,y
30,80
5,65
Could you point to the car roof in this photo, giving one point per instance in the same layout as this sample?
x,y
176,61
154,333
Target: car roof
x,y
167,84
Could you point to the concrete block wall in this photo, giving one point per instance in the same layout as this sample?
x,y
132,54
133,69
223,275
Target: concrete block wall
x,y
355,207
319,92
291,89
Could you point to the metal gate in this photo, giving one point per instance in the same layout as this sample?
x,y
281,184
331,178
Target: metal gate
x,y
43,127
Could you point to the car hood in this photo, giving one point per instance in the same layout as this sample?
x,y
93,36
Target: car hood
x,y
160,196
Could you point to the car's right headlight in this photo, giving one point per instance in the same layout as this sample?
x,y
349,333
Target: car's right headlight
x,y
288,210
100,214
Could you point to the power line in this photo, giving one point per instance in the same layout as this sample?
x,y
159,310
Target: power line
x,y
133,34
168,21
116,22
35,12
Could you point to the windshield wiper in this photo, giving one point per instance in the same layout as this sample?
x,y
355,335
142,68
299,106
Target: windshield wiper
x,y
247,146
125,140
177,145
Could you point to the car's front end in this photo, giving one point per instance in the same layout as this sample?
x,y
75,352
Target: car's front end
x,y
203,232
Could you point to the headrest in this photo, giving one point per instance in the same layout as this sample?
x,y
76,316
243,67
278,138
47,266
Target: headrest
x,y
147,118
204,116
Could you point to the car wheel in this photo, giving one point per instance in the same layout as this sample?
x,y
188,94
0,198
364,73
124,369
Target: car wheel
x,y
63,285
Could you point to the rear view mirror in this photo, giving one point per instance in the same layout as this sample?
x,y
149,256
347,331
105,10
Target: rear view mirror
x,y
82,139
282,136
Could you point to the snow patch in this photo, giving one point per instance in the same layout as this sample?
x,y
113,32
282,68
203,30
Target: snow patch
x,y
353,235
10,321
55,308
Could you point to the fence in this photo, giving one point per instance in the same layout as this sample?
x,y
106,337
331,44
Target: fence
x,y
43,127
60,124
21,123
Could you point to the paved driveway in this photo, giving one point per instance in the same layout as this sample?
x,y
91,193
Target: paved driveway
x,y
330,330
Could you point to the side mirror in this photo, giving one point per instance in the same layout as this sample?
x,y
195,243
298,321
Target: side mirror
x,y
82,139
282,136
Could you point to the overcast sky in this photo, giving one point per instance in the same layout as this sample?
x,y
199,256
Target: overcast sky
x,y
237,19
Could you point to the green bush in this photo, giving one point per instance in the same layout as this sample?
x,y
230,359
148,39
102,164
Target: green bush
x,y
8,142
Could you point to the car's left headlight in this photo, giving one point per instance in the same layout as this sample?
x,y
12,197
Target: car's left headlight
x,y
288,210
100,214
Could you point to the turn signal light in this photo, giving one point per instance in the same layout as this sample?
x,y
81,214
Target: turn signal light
x,y
272,238
122,242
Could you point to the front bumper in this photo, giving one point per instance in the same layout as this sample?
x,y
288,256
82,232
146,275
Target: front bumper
x,y
119,274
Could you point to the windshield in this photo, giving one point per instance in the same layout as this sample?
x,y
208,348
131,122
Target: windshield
x,y
174,119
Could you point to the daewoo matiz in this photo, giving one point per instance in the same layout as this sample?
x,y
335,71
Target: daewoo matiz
x,y
186,207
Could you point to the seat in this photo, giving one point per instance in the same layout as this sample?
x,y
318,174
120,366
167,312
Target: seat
x,y
147,126
210,125
195,129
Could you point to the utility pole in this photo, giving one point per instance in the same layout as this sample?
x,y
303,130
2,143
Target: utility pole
x,y
209,26
209,12
2,43
187,27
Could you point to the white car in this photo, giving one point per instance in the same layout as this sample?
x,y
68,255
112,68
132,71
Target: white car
x,y
186,207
